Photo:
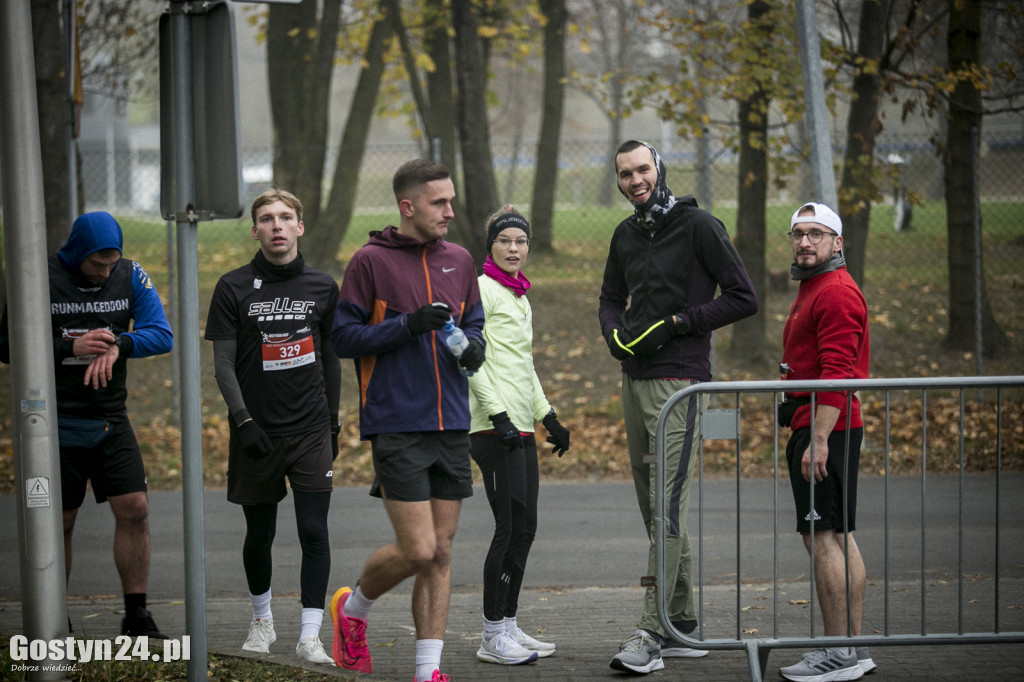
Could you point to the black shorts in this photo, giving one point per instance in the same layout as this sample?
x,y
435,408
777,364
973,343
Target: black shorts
x,y
304,458
828,495
414,467
113,466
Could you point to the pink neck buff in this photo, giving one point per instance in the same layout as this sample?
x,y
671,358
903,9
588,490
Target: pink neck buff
x,y
518,284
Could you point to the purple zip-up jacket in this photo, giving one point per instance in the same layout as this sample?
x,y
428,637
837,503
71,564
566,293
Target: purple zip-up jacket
x,y
406,383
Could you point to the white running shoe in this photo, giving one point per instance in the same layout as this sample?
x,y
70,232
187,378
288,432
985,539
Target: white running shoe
x,y
261,636
502,649
543,649
312,649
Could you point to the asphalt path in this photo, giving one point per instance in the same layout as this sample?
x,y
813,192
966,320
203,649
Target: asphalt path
x,y
589,535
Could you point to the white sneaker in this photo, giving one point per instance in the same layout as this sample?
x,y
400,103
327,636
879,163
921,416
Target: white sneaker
x,y
543,649
261,636
502,649
312,649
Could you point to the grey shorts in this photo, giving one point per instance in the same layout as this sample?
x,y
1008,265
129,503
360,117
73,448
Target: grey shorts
x,y
304,458
414,467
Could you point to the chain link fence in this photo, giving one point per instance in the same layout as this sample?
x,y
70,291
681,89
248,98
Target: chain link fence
x,y
906,270
128,182
906,278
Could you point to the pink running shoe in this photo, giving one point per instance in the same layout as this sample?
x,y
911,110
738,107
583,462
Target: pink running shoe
x,y
438,676
349,649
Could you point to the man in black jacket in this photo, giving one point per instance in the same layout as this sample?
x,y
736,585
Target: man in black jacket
x,y
666,262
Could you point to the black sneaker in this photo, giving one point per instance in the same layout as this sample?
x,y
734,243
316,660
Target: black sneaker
x,y
141,623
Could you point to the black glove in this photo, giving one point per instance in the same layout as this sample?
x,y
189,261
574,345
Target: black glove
x,y
428,318
654,337
255,443
507,432
473,356
559,434
618,344
335,431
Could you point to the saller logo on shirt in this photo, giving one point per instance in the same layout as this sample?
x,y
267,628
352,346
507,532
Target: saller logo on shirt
x,y
281,309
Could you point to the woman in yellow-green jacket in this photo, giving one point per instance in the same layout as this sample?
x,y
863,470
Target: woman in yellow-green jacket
x,y
505,400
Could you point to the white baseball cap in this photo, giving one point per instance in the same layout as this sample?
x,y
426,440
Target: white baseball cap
x,y
823,215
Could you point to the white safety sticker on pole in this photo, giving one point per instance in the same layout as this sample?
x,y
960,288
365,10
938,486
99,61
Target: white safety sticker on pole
x,y
37,492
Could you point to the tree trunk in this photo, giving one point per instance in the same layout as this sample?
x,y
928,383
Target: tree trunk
x,y
474,131
545,180
606,194
441,112
857,186
52,99
300,61
963,209
748,334
323,241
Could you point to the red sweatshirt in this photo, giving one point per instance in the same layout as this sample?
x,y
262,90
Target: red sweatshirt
x,y
826,337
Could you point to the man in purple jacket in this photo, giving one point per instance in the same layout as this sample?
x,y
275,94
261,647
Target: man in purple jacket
x,y
665,260
398,292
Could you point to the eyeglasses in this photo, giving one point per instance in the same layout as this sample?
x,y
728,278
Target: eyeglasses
x,y
505,242
813,236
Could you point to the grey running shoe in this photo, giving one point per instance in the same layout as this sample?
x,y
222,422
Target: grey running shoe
x,y
864,660
639,654
671,648
825,665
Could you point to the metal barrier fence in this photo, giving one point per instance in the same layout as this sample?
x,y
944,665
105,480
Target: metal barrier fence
x,y
717,424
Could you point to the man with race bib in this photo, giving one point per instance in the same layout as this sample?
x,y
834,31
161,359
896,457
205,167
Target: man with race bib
x,y
268,320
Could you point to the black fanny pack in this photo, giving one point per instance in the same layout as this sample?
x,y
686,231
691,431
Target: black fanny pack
x,y
81,432
784,411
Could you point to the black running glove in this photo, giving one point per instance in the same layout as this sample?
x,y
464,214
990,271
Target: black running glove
x,y
335,432
507,432
473,356
428,318
559,434
654,337
618,343
255,443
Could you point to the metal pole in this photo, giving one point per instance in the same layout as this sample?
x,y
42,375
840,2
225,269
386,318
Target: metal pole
x,y
34,408
70,31
172,306
817,115
979,337
188,317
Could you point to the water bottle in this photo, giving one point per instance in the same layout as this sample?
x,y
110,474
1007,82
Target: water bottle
x,y
456,341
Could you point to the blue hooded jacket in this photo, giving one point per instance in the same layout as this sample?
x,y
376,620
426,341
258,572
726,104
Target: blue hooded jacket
x,y
91,232
96,231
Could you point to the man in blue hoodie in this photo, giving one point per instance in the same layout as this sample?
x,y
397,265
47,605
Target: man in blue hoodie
x,y
103,310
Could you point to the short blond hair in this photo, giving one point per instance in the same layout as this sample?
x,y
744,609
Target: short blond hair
x,y
269,196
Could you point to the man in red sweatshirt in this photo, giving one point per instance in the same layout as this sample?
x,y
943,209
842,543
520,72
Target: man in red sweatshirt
x,y
826,337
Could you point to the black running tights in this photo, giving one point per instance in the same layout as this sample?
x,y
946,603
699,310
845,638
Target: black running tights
x,y
511,482
311,521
